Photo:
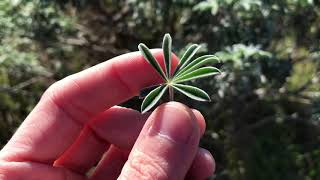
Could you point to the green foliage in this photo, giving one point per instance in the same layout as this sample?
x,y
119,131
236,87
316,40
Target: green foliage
x,y
239,53
29,39
263,121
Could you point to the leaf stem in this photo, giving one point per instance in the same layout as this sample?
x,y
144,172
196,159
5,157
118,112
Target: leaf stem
x,y
171,94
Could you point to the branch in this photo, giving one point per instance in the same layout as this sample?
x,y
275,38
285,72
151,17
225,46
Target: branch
x,y
22,85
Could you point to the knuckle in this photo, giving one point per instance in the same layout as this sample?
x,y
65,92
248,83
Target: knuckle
x,y
50,93
146,167
55,89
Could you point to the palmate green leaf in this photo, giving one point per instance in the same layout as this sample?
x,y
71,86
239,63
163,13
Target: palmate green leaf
x,y
185,71
166,46
196,74
152,98
187,56
145,91
149,57
192,92
200,61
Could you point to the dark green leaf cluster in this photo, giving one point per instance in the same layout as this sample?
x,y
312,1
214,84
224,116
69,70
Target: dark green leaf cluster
x,y
185,71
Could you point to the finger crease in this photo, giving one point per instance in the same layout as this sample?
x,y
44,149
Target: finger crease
x,y
96,135
78,107
146,165
121,80
62,109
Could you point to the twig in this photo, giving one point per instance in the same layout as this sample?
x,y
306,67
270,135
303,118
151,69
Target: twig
x,y
20,86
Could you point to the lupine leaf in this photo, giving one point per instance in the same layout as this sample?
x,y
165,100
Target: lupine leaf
x,y
166,46
187,56
192,92
200,61
145,91
185,71
149,57
196,74
152,98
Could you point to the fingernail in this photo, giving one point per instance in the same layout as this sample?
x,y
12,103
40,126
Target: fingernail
x,y
174,122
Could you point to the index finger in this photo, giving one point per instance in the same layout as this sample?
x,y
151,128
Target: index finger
x,y
107,84
69,104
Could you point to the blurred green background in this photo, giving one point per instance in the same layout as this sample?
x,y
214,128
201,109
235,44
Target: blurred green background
x,y
264,120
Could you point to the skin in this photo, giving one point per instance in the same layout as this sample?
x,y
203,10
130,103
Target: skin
x,y
77,126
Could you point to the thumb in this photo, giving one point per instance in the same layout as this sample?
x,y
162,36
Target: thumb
x,y
166,145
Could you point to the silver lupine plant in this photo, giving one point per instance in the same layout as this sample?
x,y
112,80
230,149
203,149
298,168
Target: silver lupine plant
x,y
186,70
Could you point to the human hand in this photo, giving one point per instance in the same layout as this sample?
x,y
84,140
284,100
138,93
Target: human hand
x,y
76,125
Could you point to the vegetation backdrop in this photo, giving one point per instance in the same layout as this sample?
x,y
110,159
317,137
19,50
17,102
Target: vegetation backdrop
x,y
264,120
